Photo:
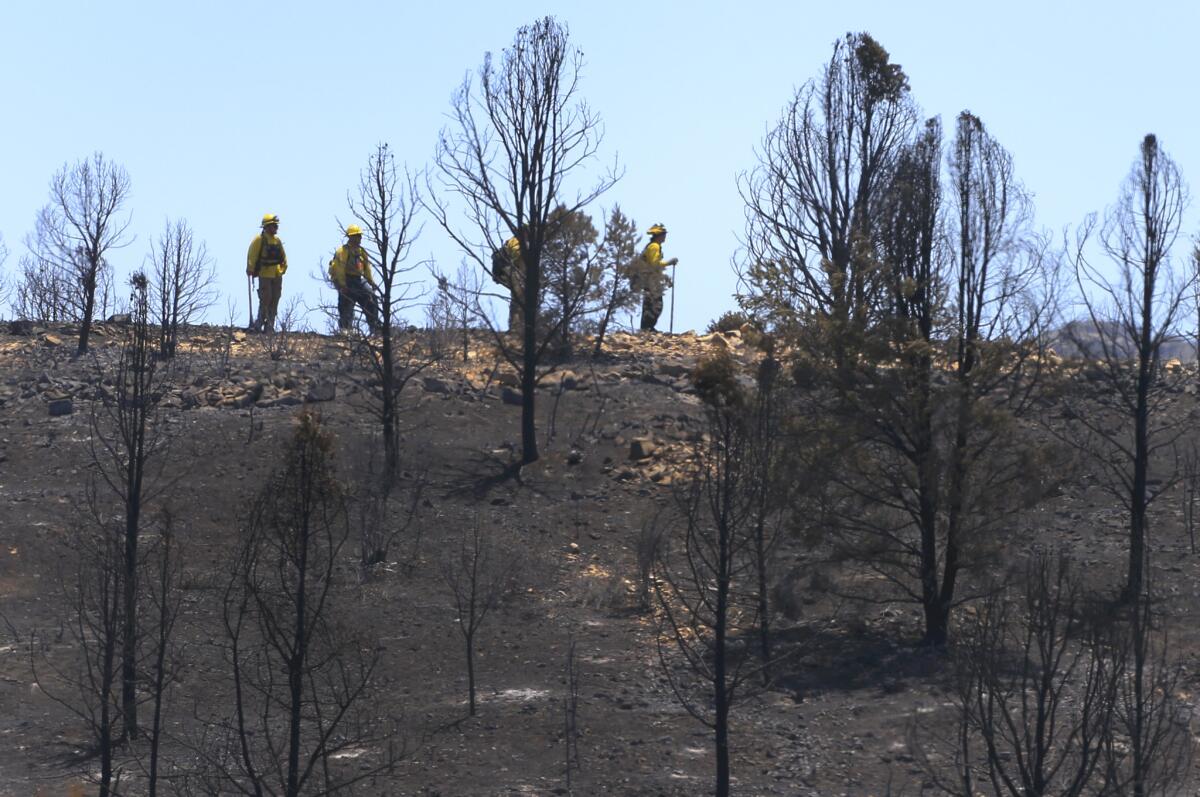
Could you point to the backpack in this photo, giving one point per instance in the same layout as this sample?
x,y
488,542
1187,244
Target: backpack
x,y
500,266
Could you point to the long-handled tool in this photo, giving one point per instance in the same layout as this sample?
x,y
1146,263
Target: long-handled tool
x,y
250,301
671,325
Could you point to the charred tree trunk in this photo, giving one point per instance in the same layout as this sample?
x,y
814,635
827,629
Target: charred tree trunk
x,y
721,686
89,307
529,358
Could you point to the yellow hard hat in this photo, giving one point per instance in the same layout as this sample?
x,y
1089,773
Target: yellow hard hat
x,y
270,218
657,229
353,230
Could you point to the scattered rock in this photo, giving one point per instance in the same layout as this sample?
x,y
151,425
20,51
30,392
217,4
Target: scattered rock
x,y
118,318
510,396
574,457
435,385
506,378
20,328
244,400
658,473
51,340
190,398
565,380
718,340
642,448
324,390
674,370
62,406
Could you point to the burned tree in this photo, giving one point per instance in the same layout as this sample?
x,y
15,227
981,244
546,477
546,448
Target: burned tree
x,y
163,574
810,204
924,426
1130,316
110,593
129,444
999,300
882,287
181,282
517,135
6,284
300,674
705,573
78,229
1196,295
1056,698
477,574
450,314
1150,748
1034,692
39,293
385,205
94,593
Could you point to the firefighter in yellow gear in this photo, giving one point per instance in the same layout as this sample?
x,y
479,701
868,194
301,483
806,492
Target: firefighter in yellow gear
x,y
350,272
653,276
508,269
267,262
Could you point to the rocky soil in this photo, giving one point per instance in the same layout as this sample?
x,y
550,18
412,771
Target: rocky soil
x,y
616,434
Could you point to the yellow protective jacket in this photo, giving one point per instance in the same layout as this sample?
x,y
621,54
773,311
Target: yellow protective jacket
x,y
652,256
348,263
650,270
266,257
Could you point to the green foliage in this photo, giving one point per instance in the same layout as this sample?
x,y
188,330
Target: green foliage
x,y
884,81
568,273
618,254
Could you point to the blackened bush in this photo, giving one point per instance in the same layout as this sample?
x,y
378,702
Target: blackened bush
x,y
729,321
716,379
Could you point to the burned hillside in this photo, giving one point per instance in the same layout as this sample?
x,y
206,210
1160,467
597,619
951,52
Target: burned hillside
x,y
575,671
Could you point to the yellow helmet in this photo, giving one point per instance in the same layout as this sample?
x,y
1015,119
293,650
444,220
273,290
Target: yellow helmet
x,y
270,218
657,229
353,230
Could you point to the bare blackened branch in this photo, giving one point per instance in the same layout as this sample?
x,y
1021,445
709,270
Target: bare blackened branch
x,y
181,282
78,229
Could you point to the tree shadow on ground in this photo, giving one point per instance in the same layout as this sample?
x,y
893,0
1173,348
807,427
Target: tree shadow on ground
x,y
479,473
834,660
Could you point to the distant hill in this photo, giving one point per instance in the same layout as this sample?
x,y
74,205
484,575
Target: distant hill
x,y
1082,339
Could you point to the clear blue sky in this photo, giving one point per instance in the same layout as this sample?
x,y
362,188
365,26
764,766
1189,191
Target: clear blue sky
x,y
223,111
